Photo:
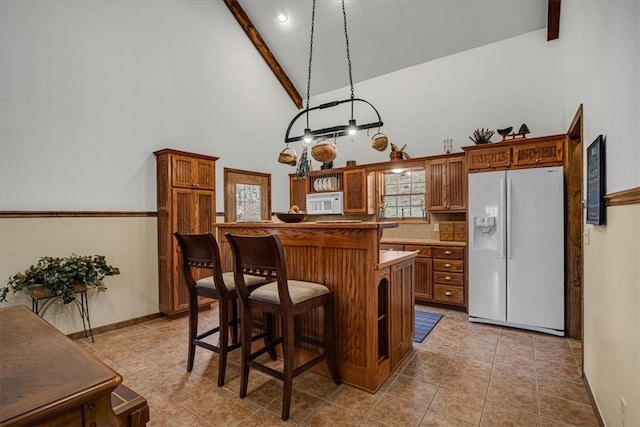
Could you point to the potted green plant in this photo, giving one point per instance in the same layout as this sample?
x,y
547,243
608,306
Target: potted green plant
x,y
61,277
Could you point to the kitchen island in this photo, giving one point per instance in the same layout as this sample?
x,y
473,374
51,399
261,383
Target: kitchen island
x,y
373,290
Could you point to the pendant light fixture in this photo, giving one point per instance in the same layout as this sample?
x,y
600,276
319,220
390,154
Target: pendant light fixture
x,y
351,128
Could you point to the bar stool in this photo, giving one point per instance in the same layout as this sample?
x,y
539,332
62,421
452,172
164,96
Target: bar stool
x,y
263,256
200,251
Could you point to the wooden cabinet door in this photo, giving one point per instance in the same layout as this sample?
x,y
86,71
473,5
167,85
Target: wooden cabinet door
x,y
298,191
401,311
456,191
423,272
436,185
196,173
490,158
446,184
355,191
538,154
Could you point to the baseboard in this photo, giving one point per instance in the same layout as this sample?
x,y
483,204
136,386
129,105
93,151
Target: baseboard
x,y
592,399
117,325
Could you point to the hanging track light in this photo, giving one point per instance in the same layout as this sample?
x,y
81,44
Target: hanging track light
x,y
339,130
334,131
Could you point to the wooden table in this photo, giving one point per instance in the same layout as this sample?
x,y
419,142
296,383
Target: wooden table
x,y
47,379
373,291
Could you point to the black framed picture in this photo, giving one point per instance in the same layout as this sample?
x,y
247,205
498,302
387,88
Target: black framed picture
x,y
596,182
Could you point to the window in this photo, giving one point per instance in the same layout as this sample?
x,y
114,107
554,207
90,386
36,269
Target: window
x,y
248,202
403,195
247,195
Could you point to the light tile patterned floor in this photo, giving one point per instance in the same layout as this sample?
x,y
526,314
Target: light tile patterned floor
x,y
462,374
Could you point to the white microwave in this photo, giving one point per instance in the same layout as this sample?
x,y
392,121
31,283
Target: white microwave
x,y
325,203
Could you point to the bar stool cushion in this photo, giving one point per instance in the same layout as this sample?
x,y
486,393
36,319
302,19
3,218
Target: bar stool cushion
x,y
298,290
229,281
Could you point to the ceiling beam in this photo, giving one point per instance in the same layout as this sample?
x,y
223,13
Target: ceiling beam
x,y
246,24
553,20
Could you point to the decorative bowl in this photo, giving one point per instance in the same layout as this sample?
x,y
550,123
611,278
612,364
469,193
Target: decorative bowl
x,y
291,217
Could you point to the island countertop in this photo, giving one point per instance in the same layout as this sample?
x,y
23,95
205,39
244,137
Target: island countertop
x,y
310,224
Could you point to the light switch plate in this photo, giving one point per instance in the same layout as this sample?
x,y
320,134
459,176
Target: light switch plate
x,y
436,226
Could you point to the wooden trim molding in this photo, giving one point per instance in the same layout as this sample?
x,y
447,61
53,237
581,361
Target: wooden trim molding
x,y
74,214
243,19
553,20
624,197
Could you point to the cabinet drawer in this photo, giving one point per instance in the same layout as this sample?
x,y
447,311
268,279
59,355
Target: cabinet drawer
x,y
447,252
547,153
447,278
491,158
446,231
445,265
448,294
460,231
423,251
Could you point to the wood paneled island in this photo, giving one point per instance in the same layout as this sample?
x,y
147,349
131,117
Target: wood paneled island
x,y
373,290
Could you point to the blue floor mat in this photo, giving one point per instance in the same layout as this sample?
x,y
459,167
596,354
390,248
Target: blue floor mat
x,y
425,322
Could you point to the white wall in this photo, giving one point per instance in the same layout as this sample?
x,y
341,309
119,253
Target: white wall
x,y
600,61
499,85
91,88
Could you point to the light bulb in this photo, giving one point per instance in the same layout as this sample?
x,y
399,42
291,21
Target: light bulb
x,y
352,127
282,17
307,135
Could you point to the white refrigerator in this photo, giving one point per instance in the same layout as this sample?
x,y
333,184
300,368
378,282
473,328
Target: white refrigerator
x,y
516,248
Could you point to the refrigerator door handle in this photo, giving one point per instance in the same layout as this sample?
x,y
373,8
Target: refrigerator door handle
x,y
509,220
502,213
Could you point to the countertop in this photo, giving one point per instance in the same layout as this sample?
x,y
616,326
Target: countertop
x,y
430,242
388,258
310,224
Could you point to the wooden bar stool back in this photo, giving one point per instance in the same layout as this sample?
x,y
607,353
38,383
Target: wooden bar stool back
x,y
263,256
201,251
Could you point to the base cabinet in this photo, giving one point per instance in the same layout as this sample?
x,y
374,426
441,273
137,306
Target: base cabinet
x,y
439,273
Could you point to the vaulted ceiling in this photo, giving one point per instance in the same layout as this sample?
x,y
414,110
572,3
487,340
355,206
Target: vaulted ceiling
x,y
384,35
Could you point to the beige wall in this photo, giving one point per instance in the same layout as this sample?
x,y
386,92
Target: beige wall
x,y
612,313
129,243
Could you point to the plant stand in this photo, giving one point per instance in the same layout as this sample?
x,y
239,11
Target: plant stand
x,y
38,293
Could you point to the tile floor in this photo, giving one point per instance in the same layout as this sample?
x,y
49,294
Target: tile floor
x,y
462,374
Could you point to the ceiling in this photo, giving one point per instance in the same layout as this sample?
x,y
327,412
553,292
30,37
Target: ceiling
x,y
384,35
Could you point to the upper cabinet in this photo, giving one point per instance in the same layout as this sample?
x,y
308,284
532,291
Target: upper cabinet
x,y
353,182
190,172
446,183
356,194
298,189
516,154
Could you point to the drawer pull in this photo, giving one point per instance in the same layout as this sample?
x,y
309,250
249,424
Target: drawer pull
x,y
447,265
447,252
448,293
447,278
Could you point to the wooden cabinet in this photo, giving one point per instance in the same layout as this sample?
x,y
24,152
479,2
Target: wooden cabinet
x,y
356,195
401,303
456,230
448,275
516,154
439,272
298,189
353,183
446,183
186,202
423,272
